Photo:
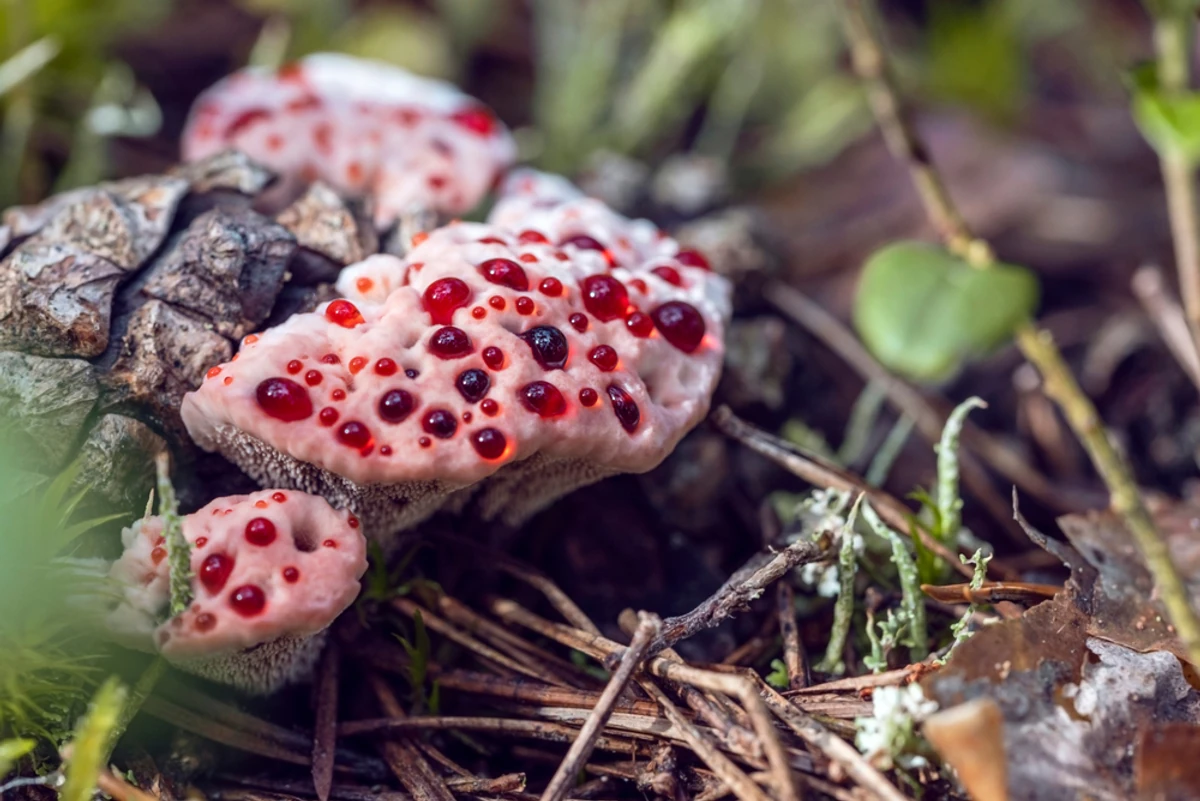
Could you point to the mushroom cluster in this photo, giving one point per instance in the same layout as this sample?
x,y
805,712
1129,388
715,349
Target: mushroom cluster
x,y
410,143
272,570
552,346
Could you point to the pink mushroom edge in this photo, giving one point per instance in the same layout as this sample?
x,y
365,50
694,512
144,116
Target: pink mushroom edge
x,y
366,128
271,572
557,344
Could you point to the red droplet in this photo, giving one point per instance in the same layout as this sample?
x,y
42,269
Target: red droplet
x,y
668,274
213,372
681,324
295,366
639,324
424,442
450,343
578,321
588,396
489,407
245,120
364,284
476,119
497,302
493,357
260,504
396,405
228,380
531,237
205,621
352,521
385,366
443,297
489,443
202,541
505,272
491,240
524,305
544,398
338,394
260,531
479,312
157,555
357,364
551,286
330,358
528,258
291,575
604,356
354,434
329,543
467,417
385,450
278,497
625,408
639,285
549,346
248,600
583,242
313,377
284,399
692,258
328,416
472,384
344,313
605,297
440,422
214,572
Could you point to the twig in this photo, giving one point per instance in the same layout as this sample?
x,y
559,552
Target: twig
x,y
113,785
536,729
324,744
1168,317
744,586
794,657
1038,347
403,757
1172,40
991,592
581,749
219,733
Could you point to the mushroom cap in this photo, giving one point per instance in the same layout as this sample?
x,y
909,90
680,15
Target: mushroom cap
x,y
362,126
276,564
502,368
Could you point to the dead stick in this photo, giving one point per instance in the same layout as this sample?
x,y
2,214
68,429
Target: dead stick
x,y
324,744
403,757
581,749
794,657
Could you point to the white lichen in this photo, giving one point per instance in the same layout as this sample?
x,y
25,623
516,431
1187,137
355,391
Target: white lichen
x,y
889,737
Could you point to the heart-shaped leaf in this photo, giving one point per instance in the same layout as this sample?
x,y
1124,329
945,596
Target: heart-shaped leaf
x,y
1169,121
923,312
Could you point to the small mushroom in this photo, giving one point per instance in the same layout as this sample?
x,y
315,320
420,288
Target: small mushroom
x,y
365,127
564,345
271,571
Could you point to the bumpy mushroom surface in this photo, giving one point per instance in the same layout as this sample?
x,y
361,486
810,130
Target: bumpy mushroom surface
x,y
272,570
565,344
364,127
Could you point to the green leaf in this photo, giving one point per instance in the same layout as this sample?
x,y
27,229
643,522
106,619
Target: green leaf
x,y
1172,8
11,751
778,677
924,312
1170,121
93,741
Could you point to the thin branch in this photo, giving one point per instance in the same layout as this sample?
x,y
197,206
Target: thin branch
x,y
324,745
581,749
794,657
1168,317
403,756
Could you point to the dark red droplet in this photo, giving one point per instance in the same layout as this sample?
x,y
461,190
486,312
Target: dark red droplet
x,y
450,343
284,399
681,324
583,242
489,407
424,442
260,531
692,258
639,285
639,324
472,384
214,572
338,394
468,417
605,297
549,346
588,396
625,408
479,312
385,450
344,313
493,357
354,434
544,398
328,416
524,305
205,621
440,422
291,575
477,120
248,600
157,555
295,366
605,357
505,272
551,286
396,405
278,497
313,377
496,302
352,521
385,366
578,321
669,274
331,358
443,297
201,542
489,443
329,544
531,237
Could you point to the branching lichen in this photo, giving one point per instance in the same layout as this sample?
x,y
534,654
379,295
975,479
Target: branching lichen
x,y
948,500
843,609
179,551
962,628
912,613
